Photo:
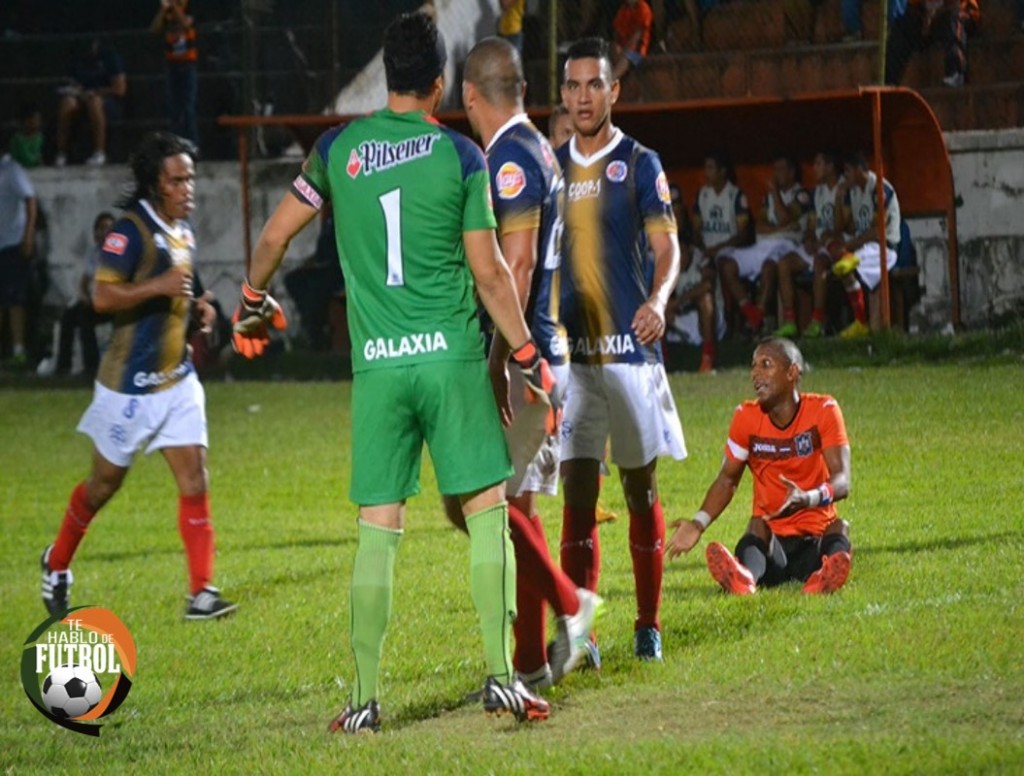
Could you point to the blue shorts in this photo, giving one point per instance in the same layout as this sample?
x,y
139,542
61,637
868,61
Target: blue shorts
x,y
634,57
15,277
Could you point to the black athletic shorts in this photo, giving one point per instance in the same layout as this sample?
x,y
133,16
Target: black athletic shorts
x,y
791,557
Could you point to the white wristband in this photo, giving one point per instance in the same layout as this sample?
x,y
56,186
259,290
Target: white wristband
x,y
813,497
703,519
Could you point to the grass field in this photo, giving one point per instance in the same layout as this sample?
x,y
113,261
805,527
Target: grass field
x,y
917,666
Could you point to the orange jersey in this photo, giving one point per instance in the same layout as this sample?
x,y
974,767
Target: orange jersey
x,y
630,19
795,452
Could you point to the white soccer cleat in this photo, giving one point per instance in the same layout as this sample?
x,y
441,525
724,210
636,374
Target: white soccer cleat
x,y
569,645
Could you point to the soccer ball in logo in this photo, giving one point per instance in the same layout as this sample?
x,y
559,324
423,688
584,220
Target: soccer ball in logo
x,y
71,691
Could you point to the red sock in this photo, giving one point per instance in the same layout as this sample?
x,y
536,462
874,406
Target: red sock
x,y
197,534
819,316
708,349
581,551
76,522
753,314
647,546
856,298
534,566
789,315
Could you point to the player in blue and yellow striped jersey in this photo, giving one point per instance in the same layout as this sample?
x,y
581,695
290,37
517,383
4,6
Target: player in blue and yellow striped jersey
x,y
618,213
147,394
527,190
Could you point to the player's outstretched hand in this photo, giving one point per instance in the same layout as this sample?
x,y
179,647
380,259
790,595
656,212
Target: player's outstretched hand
x,y
649,323
249,325
540,383
796,499
684,538
204,315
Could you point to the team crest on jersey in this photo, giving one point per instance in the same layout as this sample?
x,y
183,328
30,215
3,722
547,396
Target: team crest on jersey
x,y
616,171
511,180
804,444
378,155
115,243
661,184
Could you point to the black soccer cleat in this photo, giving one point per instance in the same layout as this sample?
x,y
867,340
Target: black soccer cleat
x,y
514,699
56,587
365,719
207,604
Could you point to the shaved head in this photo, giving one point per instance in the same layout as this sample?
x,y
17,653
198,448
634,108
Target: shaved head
x,y
496,71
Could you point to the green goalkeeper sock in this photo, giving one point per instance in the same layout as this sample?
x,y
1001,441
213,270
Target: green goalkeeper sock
x,y
372,581
493,585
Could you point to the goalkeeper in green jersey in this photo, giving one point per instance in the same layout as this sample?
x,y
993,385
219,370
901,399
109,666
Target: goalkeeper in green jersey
x,y
416,238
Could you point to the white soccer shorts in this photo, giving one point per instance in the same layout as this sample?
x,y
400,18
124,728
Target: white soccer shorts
x,y
751,258
121,424
630,403
541,474
870,267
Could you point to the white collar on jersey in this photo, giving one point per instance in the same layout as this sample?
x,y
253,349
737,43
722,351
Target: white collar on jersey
x,y
176,231
519,118
586,161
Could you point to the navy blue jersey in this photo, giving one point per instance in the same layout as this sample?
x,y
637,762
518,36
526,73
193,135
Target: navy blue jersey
x,y
527,190
613,200
148,351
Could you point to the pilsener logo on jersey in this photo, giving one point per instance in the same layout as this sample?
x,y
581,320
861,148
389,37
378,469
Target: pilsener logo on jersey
x,y
377,155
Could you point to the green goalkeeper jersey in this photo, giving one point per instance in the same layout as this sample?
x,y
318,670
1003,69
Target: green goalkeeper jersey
x,y
403,189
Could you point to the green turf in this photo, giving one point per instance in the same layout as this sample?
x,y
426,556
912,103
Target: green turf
x,y
917,666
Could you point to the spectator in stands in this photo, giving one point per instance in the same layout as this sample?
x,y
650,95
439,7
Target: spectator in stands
x,y
510,23
81,315
27,143
97,87
632,36
560,128
778,231
858,257
178,28
853,29
314,283
950,22
694,312
823,228
17,247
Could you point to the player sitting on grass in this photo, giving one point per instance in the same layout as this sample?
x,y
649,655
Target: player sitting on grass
x,y
795,445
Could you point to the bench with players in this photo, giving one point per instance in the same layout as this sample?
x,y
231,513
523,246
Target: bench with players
x,y
747,271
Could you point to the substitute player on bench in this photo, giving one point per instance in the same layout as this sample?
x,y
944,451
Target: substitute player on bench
x,y
796,448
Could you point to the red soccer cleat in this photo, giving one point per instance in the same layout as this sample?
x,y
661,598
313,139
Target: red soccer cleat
x,y
732,575
834,571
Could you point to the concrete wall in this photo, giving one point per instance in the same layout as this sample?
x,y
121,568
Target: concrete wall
x,y
988,168
74,195
988,171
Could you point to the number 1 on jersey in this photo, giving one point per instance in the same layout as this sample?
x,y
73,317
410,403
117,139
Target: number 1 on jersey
x,y
391,204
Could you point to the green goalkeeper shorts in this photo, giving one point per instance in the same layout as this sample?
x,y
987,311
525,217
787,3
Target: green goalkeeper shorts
x,y
447,404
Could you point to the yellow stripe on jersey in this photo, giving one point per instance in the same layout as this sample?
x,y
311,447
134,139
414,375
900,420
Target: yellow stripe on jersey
x,y
108,275
520,222
660,224
583,219
115,359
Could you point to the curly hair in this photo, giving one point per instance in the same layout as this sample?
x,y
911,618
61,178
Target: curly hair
x,y
147,161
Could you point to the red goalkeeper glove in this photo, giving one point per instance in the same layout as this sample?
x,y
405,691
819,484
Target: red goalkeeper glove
x,y
249,333
540,383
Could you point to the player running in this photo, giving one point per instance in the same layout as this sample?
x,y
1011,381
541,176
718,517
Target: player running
x,y
796,448
618,208
415,229
147,395
527,190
